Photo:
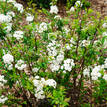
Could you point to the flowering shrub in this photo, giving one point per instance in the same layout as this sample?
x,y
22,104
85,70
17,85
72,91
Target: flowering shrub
x,y
61,62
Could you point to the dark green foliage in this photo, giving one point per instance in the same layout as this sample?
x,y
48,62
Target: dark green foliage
x,y
68,3
2,33
41,3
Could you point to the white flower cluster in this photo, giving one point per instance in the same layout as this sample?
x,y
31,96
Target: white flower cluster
x,y
55,64
2,80
8,59
68,64
105,43
56,55
105,77
51,48
40,83
3,99
20,65
95,74
29,17
9,67
54,9
68,46
104,25
5,18
8,28
11,13
78,4
18,35
35,69
58,17
66,29
105,63
85,43
39,93
104,34
86,71
51,83
43,27
17,5
72,9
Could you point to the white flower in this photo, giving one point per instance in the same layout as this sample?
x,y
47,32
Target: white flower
x,y
94,77
42,27
67,46
10,67
67,67
20,65
104,25
36,82
51,82
72,40
39,93
95,72
11,13
2,79
54,67
39,84
85,42
54,9
105,77
105,63
37,77
39,96
68,64
51,48
78,3
3,99
86,72
5,18
105,43
60,58
35,69
52,53
18,34
67,61
8,59
72,9
104,34
62,67
29,17
64,71
57,17
66,29
19,7
8,28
